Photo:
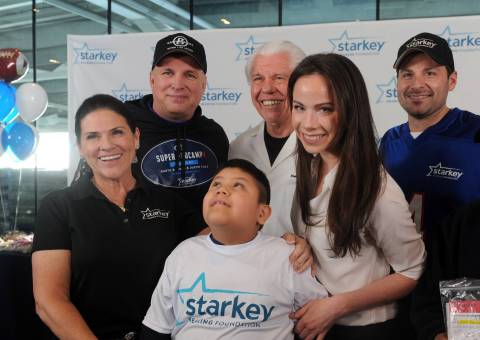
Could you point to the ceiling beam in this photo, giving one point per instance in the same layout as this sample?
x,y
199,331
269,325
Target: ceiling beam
x,y
89,15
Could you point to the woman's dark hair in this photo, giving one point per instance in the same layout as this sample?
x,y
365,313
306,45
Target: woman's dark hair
x,y
102,101
359,176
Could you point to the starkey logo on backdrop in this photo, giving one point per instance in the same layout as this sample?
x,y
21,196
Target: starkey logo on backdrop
x,y
461,41
88,55
221,96
124,93
247,48
222,308
387,91
351,46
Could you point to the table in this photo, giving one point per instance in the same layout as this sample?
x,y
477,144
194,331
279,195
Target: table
x,y
18,320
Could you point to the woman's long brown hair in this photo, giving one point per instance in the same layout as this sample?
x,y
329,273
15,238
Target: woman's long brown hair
x,y
358,180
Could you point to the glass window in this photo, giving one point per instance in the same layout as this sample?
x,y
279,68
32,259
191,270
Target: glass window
x,y
17,205
211,14
24,183
297,12
433,8
150,15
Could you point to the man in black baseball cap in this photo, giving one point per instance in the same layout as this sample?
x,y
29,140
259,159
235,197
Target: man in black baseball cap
x,y
432,45
431,157
181,44
179,147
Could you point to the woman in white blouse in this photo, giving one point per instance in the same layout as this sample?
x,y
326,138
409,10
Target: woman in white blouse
x,y
351,211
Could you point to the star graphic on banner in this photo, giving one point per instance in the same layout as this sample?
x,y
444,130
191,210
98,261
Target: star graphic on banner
x,y
343,38
447,32
84,48
209,88
247,48
460,40
94,55
124,93
383,88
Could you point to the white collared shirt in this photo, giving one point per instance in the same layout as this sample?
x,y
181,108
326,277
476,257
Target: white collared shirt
x,y
250,145
399,244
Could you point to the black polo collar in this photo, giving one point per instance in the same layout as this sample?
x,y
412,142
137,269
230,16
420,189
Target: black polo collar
x,y
84,188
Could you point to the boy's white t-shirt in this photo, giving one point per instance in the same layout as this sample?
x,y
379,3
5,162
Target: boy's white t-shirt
x,y
246,291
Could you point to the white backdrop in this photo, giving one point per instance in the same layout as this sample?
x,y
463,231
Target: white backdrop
x,y
120,64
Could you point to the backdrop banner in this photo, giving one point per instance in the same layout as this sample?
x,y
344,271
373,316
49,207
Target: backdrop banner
x,y
120,64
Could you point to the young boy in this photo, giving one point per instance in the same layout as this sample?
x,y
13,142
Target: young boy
x,y
235,283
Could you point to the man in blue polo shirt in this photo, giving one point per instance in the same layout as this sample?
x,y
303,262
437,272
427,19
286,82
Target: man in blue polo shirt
x,y
434,156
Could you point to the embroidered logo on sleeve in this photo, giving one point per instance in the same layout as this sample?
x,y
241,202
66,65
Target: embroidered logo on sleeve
x,y
444,172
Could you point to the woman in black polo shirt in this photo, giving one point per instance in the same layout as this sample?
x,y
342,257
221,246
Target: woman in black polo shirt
x,y
100,244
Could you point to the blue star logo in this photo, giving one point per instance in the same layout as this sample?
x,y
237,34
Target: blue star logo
x,y
88,55
247,48
78,52
447,33
343,38
125,94
200,286
461,40
356,45
388,91
201,282
218,88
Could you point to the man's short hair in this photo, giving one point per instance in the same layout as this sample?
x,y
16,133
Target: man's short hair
x,y
295,53
261,179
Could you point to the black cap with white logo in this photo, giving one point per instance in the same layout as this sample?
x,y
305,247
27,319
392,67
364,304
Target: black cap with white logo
x,y
432,45
180,43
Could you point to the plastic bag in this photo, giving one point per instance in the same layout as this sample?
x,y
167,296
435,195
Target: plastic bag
x,y
461,308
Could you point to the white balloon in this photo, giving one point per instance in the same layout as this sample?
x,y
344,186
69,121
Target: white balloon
x,y
31,100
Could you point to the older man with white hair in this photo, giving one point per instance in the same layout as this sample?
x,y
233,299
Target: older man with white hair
x,y
271,144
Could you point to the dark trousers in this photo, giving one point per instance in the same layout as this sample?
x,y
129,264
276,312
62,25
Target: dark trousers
x,y
388,330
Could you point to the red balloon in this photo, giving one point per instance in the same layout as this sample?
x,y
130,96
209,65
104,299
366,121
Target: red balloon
x,y
13,64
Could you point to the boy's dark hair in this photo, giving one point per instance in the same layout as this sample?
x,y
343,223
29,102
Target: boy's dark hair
x,y
262,181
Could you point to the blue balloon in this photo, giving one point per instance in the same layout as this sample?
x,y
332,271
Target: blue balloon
x,y
11,116
7,99
20,138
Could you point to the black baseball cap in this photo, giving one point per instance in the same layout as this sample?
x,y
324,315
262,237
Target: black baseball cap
x,y
180,43
432,45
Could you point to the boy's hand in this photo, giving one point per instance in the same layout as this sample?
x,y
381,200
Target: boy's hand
x,y
301,258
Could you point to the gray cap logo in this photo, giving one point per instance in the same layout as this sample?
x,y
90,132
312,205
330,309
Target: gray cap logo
x,y
423,42
180,41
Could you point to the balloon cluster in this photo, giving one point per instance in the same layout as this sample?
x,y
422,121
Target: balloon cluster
x,y
18,107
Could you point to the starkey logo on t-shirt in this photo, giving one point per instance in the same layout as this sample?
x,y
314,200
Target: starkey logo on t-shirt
x,y
220,308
